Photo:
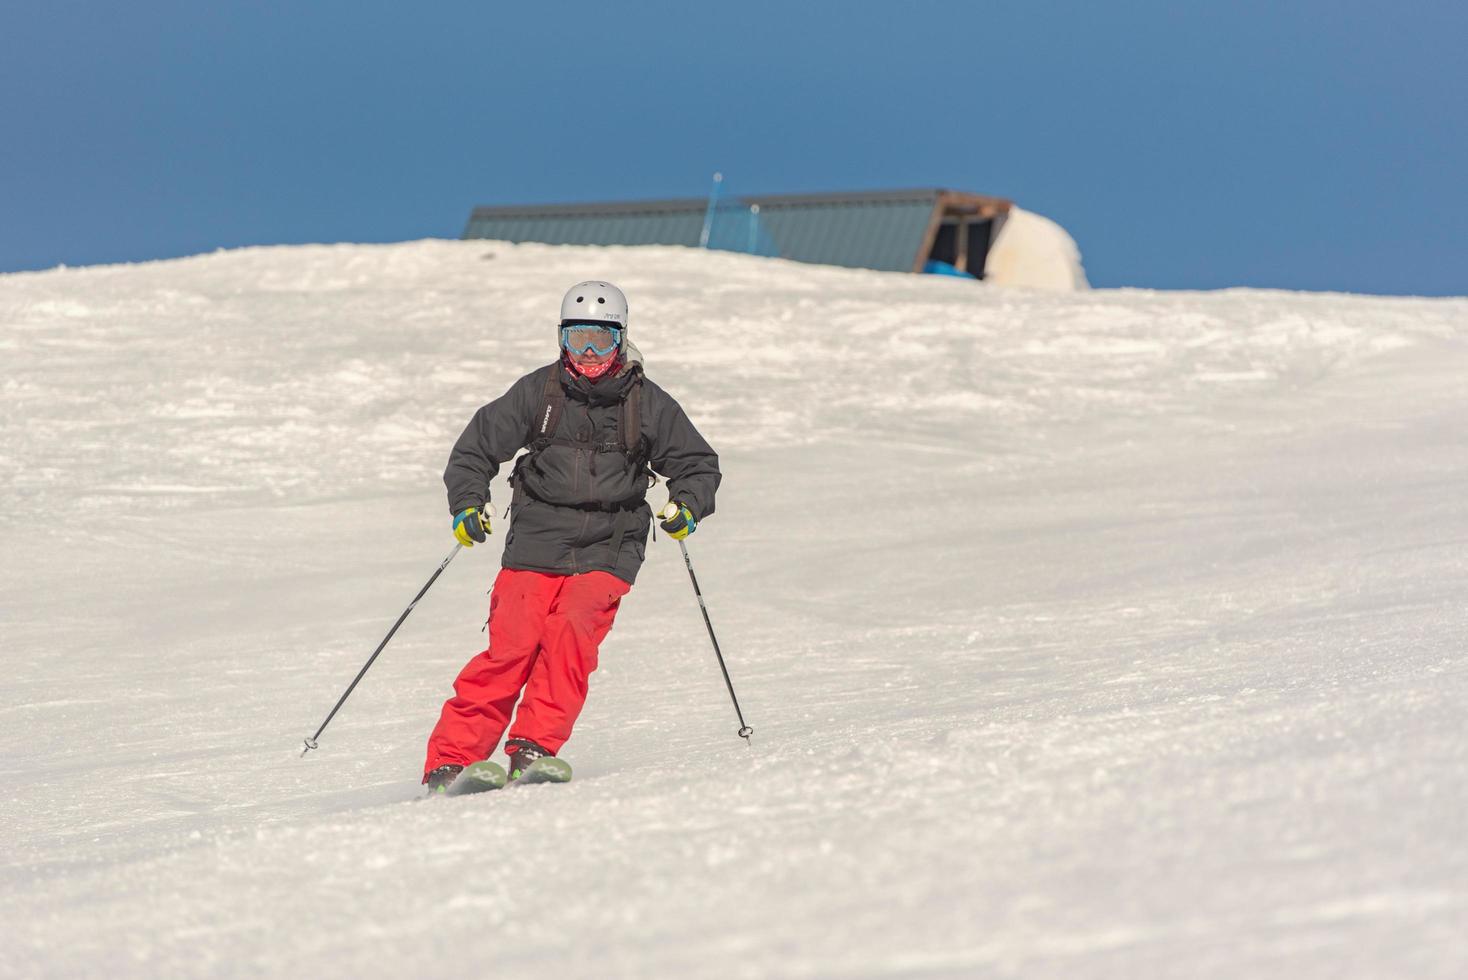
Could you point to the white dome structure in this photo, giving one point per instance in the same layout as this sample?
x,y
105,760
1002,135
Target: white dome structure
x,y
1031,250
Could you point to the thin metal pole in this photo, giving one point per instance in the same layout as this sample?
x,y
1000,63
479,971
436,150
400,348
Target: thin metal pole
x,y
744,730
708,215
311,742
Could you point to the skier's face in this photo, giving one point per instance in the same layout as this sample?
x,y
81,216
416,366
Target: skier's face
x,y
592,347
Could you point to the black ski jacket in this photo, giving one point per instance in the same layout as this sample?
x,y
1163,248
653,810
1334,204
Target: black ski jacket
x,y
579,504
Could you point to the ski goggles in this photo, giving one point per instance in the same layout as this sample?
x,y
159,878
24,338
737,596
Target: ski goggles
x,y
598,338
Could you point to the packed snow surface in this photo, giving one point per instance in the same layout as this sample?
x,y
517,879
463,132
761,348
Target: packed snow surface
x,y
1106,634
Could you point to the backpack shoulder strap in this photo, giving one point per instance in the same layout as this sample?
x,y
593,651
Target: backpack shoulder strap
x,y
630,430
552,405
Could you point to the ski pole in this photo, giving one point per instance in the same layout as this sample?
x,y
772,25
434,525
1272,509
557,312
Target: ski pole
x,y
311,742
744,730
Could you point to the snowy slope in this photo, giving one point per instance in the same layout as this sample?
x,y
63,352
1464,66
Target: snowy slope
x,y
1116,633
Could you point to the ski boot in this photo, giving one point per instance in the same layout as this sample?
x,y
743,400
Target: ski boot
x,y
439,779
531,763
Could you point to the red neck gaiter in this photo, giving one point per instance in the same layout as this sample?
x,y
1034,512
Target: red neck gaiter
x,y
593,371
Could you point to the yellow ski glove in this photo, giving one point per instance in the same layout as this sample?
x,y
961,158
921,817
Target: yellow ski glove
x,y
677,521
470,526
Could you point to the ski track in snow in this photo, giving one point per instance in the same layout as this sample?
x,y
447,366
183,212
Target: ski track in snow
x,y
1115,633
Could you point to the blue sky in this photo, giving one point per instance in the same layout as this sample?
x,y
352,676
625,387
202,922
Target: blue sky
x,y
1305,145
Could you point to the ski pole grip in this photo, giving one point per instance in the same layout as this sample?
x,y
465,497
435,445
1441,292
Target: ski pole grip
x,y
670,511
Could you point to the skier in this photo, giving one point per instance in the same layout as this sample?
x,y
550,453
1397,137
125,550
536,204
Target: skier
x,y
596,430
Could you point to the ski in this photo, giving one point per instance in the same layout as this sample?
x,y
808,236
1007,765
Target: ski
x,y
547,769
478,778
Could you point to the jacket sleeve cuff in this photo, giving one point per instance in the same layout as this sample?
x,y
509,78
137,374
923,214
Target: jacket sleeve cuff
x,y
689,501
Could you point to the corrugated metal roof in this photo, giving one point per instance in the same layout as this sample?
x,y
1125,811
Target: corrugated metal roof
x,y
868,230
874,234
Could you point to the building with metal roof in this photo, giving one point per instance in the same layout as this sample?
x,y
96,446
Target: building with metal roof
x,y
919,230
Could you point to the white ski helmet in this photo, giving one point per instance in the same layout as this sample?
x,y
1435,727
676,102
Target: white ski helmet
x,y
596,301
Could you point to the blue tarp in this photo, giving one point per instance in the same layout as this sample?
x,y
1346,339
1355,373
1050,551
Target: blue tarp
x,y
935,268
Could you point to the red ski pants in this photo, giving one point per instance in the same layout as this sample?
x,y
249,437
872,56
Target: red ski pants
x,y
544,631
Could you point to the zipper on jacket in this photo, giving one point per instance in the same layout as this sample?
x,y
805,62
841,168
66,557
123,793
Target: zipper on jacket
x,y
576,562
